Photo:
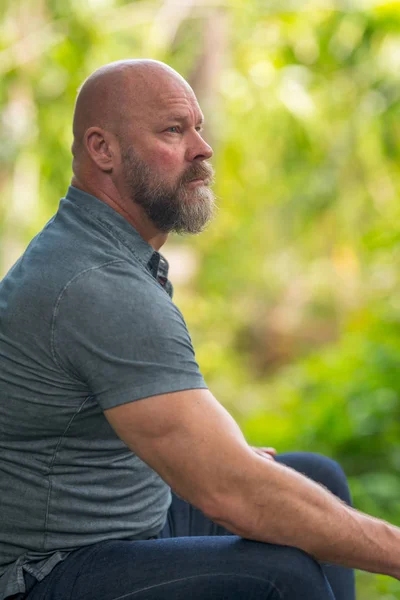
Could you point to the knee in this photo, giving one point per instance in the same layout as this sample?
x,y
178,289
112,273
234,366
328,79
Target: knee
x,y
303,577
290,570
330,473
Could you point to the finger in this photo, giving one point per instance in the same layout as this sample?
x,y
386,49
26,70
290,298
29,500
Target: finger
x,y
269,450
263,454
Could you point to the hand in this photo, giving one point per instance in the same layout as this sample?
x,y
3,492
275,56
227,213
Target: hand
x,y
267,453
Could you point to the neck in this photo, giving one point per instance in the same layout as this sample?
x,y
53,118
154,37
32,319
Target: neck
x,y
132,212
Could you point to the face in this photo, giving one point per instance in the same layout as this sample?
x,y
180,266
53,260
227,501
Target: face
x,y
164,166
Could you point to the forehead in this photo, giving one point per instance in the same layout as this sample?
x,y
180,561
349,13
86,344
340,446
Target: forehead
x,y
169,98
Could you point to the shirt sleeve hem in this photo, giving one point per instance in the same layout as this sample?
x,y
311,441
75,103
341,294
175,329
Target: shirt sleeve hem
x,y
129,395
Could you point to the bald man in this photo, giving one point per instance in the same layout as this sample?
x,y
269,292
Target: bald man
x,y
121,474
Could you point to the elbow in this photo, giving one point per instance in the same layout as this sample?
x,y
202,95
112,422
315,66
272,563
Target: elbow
x,y
234,502
213,508
225,511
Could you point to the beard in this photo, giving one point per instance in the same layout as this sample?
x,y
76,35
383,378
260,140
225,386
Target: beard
x,y
171,208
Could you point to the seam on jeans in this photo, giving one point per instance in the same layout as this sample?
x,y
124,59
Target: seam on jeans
x,y
150,587
169,523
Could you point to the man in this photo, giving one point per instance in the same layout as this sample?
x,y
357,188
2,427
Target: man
x,y
104,410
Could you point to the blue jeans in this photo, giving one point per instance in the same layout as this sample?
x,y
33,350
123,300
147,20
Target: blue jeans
x,y
195,559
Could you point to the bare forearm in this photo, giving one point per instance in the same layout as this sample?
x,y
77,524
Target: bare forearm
x,y
275,504
199,450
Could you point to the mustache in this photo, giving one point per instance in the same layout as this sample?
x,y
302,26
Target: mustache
x,y
201,170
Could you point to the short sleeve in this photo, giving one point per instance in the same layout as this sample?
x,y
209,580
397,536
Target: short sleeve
x,y
117,330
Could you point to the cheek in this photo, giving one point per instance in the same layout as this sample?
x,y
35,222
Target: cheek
x,y
166,158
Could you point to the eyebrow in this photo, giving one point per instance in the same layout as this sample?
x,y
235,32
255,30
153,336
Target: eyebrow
x,y
181,118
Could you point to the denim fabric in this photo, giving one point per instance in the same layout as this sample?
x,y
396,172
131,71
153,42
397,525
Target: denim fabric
x,y
193,558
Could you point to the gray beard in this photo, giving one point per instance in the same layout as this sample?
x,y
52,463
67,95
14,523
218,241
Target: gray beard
x,y
177,209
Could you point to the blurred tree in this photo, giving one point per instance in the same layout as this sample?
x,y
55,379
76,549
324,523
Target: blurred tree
x,y
292,295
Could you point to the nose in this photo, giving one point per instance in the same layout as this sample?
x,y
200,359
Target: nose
x,y
199,149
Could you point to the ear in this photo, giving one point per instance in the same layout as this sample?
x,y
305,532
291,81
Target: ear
x,y
99,146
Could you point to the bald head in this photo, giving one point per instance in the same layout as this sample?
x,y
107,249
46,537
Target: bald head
x,y
138,145
117,92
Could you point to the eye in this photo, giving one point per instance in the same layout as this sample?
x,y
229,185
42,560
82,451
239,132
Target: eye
x,y
175,127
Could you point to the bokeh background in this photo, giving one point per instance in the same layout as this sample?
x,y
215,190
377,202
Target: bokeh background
x,y
292,295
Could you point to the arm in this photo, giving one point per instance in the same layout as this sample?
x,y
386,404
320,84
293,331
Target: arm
x,y
199,450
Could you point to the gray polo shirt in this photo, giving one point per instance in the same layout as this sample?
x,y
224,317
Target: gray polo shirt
x,y
86,323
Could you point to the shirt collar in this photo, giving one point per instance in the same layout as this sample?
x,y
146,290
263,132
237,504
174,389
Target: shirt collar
x,y
126,234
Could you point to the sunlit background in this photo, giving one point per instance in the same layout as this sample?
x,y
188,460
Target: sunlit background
x,y
292,295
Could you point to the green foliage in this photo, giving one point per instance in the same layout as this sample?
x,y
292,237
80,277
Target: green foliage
x,y
294,305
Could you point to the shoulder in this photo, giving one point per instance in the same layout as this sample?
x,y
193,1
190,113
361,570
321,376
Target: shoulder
x,y
120,297
117,282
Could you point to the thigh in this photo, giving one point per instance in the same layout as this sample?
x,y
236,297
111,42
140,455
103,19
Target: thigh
x,y
216,568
